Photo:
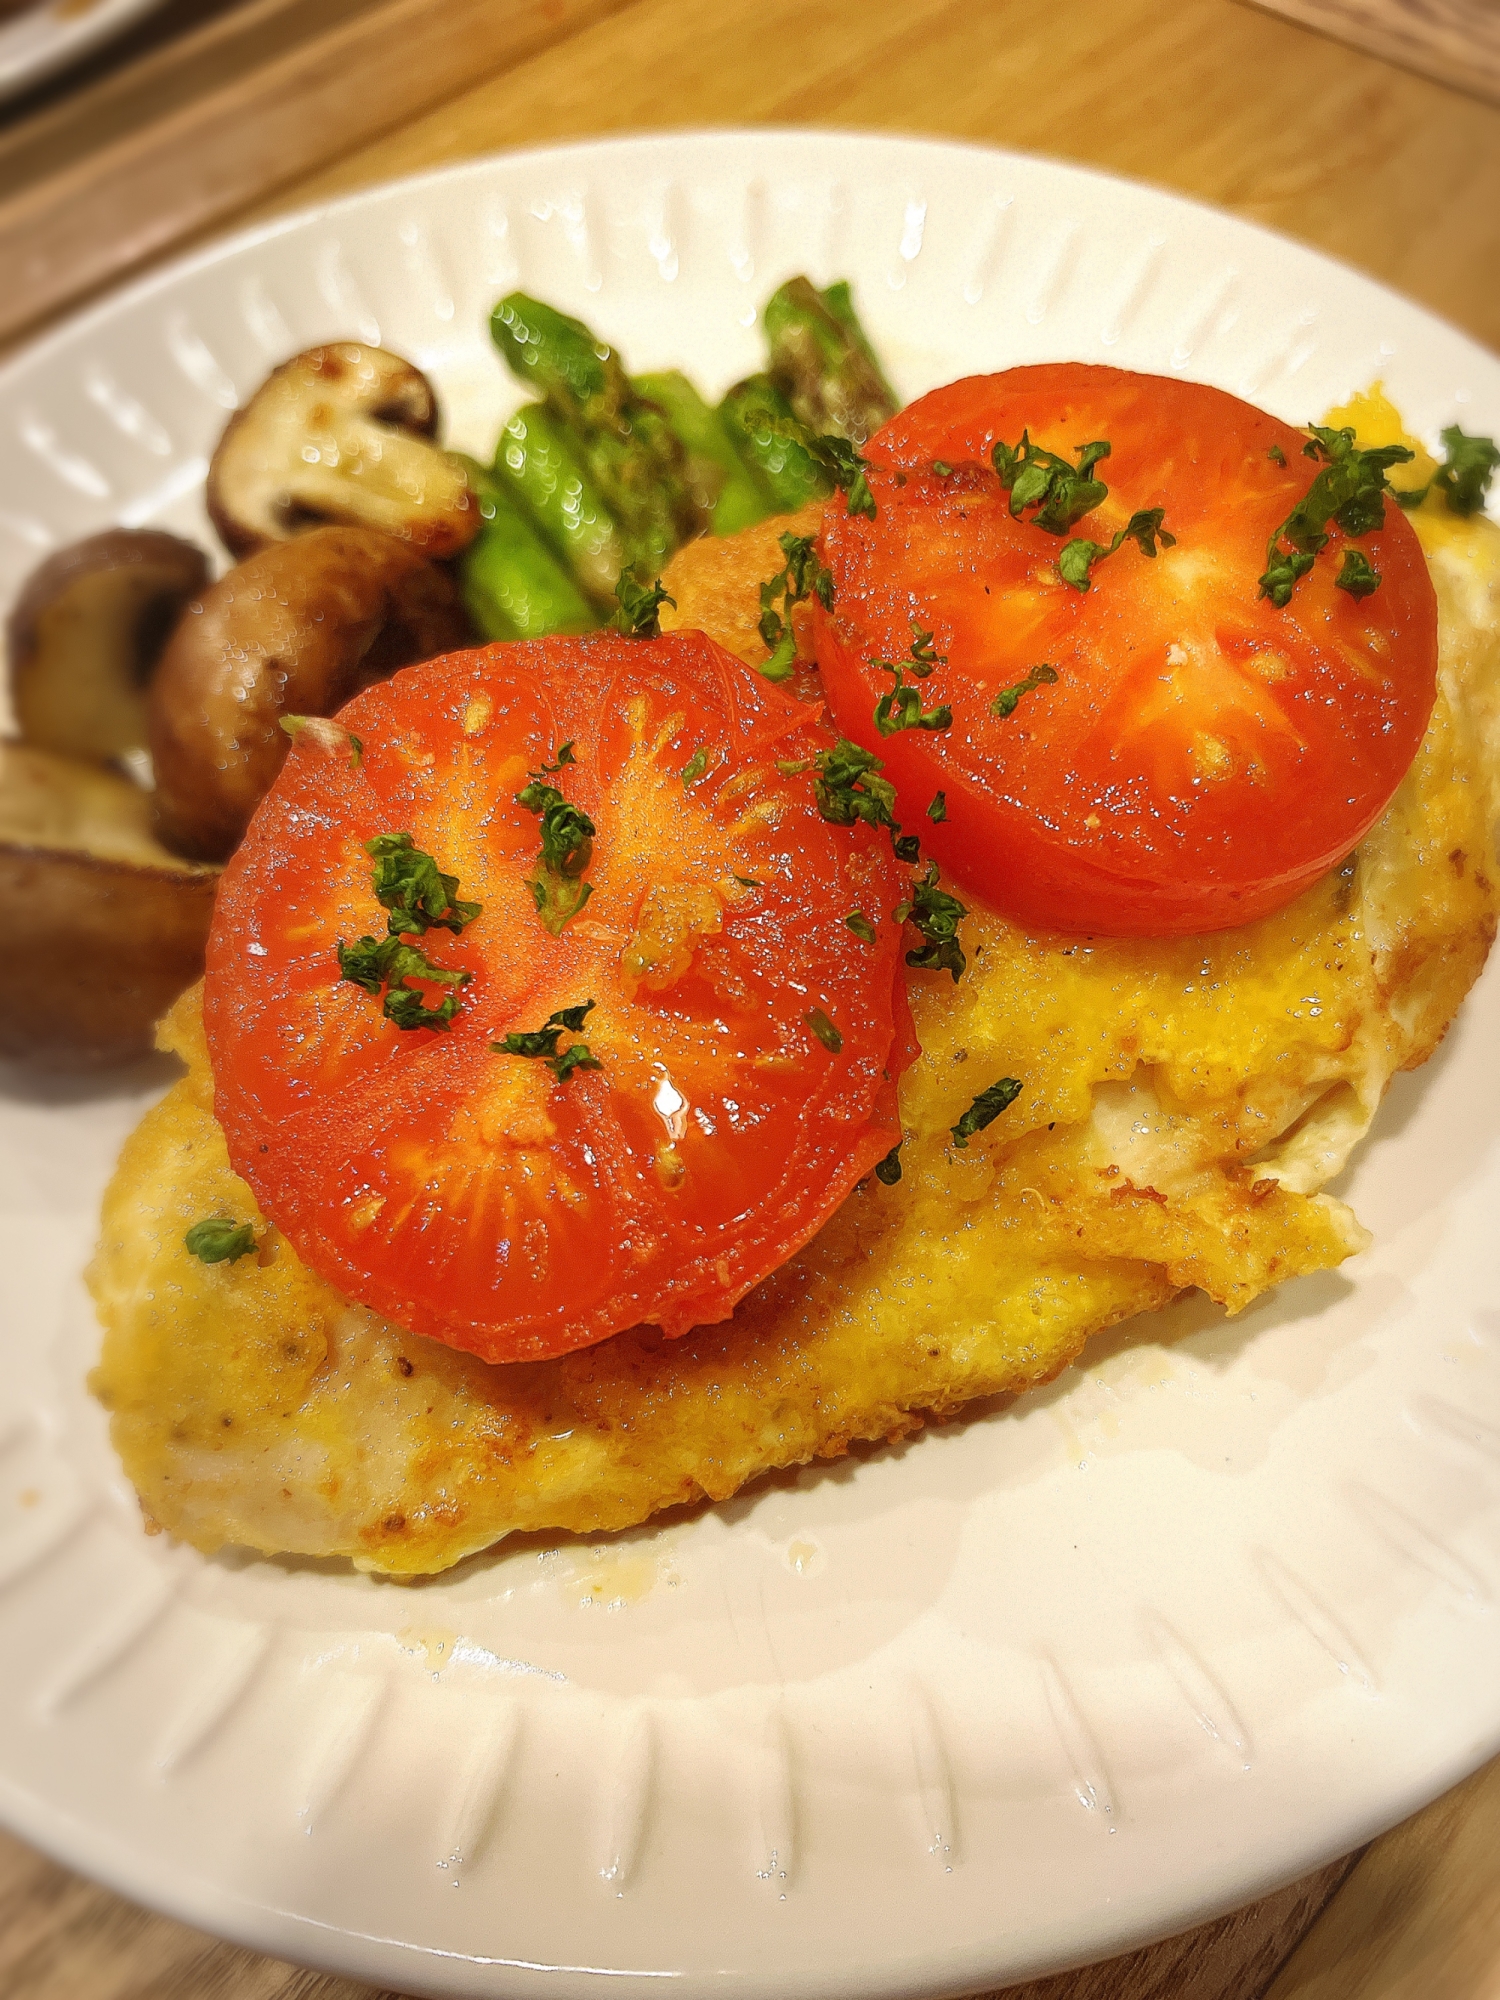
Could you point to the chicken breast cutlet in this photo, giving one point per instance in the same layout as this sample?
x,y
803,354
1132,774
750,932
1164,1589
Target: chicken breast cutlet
x,y
1184,1102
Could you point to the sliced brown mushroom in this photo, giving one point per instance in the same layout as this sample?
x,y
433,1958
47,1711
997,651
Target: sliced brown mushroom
x,y
104,927
296,629
86,633
340,434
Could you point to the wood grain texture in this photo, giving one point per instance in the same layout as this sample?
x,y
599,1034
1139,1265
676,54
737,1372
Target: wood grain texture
x,y
63,1939
1377,166
264,125
1420,1917
1456,41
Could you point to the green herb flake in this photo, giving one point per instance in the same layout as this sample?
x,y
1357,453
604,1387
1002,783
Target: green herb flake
x,y
639,615
1143,528
1358,575
846,469
1463,479
557,888
801,576
220,1241
937,916
376,964
747,882
417,897
541,1043
937,812
888,1170
986,1108
923,656
848,789
694,768
824,1029
901,708
861,926
1041,675
1276,455
1061,493
410,885
942,468
1350,491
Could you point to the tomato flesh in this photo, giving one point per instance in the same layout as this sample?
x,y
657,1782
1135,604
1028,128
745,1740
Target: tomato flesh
x,y
1202,756
469,1194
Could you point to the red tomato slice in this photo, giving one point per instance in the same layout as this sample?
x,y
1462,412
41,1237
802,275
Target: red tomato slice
x,y
1201,756
471,1195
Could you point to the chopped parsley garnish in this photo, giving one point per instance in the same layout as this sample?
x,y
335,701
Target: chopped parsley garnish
x,y
557,888
888,1170
1041,675
861,926
801,576
937,915
824,1029
747,881
694,768
846,469
542,1043
902,708
847,788
418,897
1061,493
410,885
942,468
1358,574
924,656
937,812
986,1108
1463,479
1143,528
220,1241
389,962
1276,455
639,615
1349,491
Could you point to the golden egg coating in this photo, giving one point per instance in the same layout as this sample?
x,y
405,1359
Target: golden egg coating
x,y
1183,1103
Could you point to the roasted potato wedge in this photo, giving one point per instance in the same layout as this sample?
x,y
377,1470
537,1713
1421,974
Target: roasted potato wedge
x,y
106,926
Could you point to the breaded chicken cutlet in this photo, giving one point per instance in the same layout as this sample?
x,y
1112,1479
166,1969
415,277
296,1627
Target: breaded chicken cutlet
x,y
1186,1100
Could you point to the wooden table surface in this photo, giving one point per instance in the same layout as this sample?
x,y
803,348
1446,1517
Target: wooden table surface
x,y
1381,167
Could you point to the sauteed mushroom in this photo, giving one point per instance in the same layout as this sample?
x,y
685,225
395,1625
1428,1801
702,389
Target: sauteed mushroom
x,y
298,629
342,434
105,926
86,632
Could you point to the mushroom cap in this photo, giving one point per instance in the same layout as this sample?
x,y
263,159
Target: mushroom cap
x,y
85,634
342,433
297,628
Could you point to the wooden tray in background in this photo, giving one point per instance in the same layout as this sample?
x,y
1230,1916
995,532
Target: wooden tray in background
x,y
255,99
1455,41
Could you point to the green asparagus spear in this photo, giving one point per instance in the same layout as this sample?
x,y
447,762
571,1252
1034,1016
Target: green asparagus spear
x,y
513,587
728,493
537,468
772,443
624,442
827,375
839,299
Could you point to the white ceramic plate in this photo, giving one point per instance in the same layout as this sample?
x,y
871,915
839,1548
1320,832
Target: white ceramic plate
x,y
1023,1692
54,33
